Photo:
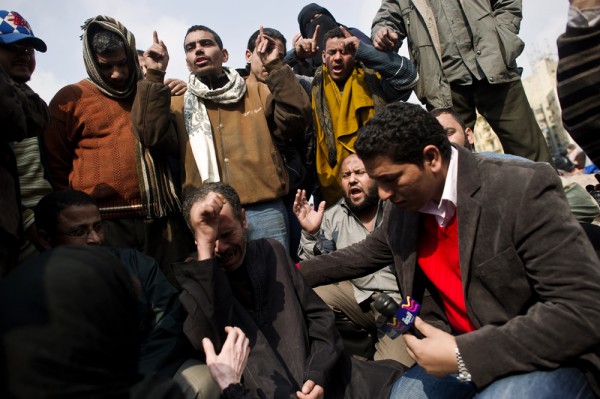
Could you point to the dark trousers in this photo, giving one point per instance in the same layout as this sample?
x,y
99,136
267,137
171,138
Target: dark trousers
x,y
506,108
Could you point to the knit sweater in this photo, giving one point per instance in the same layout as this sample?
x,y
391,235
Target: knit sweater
x,y
90,145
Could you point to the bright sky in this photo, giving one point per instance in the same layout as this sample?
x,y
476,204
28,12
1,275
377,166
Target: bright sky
x,y
59,22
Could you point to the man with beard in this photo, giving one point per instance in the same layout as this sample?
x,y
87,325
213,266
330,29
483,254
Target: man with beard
x,y
253,284
349,221
22,114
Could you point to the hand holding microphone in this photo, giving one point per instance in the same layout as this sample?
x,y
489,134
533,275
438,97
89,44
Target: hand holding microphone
x,y
397,319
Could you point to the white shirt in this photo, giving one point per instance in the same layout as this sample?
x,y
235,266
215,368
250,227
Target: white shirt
x,y
445,210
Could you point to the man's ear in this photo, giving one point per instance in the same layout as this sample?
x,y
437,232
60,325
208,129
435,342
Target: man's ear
x,y
248,56
243,219
470,136
45,239
432,157
323,57
225,55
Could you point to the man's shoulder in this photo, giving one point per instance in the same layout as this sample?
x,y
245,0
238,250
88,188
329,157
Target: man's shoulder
x,y
504,174
73,92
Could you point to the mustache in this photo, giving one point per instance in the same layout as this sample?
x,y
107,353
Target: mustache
x,y
225,255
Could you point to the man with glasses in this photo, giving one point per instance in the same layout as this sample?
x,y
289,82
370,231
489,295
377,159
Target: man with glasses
x,y
22,114
71,217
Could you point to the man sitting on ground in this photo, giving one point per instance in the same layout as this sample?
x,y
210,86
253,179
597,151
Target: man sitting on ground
x,y
349,221
72,217
295,349
505,299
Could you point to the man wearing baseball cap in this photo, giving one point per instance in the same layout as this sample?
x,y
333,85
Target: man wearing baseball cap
x,y
22,114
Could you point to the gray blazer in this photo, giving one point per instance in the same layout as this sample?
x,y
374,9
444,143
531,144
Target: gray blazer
x,y
531,277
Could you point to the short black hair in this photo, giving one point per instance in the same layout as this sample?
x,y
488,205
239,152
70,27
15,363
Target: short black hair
x,y
198,194
51,205
400,131
194,28
333,33
273,33
106,42
440,111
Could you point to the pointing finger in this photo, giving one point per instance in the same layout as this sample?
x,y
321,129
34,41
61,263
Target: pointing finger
x,y
345,32
316,34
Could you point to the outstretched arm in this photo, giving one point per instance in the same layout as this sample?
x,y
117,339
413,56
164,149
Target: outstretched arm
x,y
227,367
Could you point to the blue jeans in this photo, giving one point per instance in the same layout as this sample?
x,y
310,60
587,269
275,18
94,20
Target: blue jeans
x,y
268,220
567,382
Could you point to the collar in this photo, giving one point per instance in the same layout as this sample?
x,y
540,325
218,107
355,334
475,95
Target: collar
x,y
378,216
445,210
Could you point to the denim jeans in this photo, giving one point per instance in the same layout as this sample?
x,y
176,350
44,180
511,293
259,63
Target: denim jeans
x,y
268,220
567,382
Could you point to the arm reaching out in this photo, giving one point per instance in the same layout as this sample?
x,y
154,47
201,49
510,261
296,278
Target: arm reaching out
x,y
227,367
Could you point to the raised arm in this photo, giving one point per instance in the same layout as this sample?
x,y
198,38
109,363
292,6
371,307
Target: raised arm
x,y
151,118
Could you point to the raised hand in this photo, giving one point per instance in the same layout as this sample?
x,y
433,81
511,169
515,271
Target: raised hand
x,y
385,39
204,219
309,219
306,47
351,43
157,56
266,48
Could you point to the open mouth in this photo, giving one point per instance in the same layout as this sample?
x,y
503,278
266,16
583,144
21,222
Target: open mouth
x,y
355,192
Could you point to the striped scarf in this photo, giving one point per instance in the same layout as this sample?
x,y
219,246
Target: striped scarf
x,y
157,190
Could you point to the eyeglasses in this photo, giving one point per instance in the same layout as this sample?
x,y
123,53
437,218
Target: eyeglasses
x,y
18,48
83,231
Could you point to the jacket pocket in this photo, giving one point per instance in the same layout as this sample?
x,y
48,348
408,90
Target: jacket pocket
x,y
511,45
504,282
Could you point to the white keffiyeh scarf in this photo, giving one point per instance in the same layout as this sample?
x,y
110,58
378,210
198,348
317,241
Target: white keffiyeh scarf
x,y
197,123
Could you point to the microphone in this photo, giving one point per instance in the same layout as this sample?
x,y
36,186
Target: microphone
x,y
396,319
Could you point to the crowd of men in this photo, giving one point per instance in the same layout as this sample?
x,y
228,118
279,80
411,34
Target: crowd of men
x,y
229,235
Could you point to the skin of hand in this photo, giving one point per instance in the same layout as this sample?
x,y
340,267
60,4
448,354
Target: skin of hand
x,y
306,47
178,87
583,4
266,48
309,219
227,367
204,218
351,43
157,56
310,390
385,39
435,353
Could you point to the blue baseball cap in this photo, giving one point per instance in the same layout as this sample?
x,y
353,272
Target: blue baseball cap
x,y
15,29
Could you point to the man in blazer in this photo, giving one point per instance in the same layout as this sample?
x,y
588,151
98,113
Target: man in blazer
x,y
508,282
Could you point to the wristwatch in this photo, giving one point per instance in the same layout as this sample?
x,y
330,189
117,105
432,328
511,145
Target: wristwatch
x,y
463,372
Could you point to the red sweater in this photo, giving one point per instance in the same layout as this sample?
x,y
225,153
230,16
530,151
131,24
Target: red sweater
x,y
439,259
